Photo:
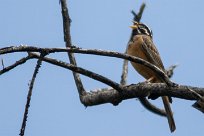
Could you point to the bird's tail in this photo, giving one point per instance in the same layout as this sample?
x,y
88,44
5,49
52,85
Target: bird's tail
x,y
169,113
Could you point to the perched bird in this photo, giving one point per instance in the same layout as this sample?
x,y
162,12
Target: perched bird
x,y
142,46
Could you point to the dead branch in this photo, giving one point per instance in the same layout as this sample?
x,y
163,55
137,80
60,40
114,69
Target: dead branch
x,y
126,92
77,50
81,71
118,92
67,39
25,116
89,51
141,90
17,63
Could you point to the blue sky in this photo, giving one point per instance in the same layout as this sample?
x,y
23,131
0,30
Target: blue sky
x,y
55,107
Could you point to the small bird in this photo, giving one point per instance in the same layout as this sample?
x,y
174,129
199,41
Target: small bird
x,y
141,45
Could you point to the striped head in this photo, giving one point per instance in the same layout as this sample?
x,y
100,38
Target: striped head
x,y
140,28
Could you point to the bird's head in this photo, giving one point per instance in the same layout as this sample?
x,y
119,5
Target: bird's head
x,y
140,28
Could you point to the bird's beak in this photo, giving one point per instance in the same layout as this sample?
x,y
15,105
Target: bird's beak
x,y
134,27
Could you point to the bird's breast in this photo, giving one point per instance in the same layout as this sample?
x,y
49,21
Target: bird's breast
x,y
135,49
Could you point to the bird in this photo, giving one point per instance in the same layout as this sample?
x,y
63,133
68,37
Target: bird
x,y
141,45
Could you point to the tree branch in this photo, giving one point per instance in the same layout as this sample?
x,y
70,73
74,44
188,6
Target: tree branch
x,y
141,90
170,70
81,71
123,80
67,39
128,92
17,63
112,96
90,51
120,91
95,52
152,108
23,126
137,17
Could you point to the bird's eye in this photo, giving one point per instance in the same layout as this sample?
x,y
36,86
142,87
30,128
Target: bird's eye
x,y
144,31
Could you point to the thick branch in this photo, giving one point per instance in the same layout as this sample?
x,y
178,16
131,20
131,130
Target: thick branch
x,y
141,90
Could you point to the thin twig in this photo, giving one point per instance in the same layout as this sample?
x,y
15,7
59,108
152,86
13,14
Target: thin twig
x,y
17,63
67,39
170,70
137,17
23,126
2,63
152,108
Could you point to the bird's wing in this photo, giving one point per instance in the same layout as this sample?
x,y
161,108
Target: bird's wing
x,y
151,52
